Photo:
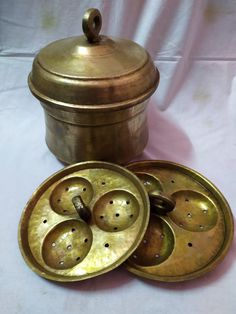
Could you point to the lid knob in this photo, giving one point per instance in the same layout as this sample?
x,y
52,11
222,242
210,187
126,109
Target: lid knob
x,y
92,23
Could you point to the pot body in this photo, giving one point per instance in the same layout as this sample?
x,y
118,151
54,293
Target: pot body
x,y
113,135
94,90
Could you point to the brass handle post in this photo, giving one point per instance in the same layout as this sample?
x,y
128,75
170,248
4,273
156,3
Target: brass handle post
x,y
160,203
83,211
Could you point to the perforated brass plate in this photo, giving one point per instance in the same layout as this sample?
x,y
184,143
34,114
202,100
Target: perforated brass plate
x,y
190,240
59,245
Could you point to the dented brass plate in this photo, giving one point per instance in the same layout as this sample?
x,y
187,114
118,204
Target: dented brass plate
x,y
188,240
83,221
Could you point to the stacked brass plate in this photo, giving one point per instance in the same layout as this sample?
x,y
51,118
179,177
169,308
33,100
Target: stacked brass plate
x,y
83,221
190,228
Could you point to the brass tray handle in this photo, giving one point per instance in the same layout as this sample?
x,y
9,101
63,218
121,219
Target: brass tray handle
x,y
160,203
82,210
91,24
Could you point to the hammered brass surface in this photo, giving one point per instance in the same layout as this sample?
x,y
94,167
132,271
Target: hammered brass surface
x,y
109,136
190,240
94,91
58,245
151,183
62,195
157,245
67,244
196,212
116,211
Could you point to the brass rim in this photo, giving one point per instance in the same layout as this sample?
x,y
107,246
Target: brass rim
x,y
93,108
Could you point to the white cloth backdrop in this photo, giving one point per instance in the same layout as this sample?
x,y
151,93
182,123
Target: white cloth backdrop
x,y
192,120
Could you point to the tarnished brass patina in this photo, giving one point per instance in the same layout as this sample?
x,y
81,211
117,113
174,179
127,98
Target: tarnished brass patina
x,y
83,221
192,235
94,91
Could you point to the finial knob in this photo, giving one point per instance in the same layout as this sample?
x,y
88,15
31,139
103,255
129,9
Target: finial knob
x,y
92,23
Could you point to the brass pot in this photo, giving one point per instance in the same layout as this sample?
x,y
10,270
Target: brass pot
x,y
94,91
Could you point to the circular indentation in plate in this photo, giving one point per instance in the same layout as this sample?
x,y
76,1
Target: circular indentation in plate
x,y
157,244
150,182
116,210
193,211
67,244
61,197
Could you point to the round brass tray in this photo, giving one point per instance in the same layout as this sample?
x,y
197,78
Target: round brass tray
x,y
83,221
190,239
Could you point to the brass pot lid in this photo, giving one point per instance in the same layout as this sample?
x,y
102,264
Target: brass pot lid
x,y
83,221
191,225
93,71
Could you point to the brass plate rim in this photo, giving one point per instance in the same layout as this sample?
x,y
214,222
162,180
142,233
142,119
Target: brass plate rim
x,y
47,183
228,218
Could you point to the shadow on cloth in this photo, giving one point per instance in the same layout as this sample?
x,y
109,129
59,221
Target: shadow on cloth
x,y
167,141
111,280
